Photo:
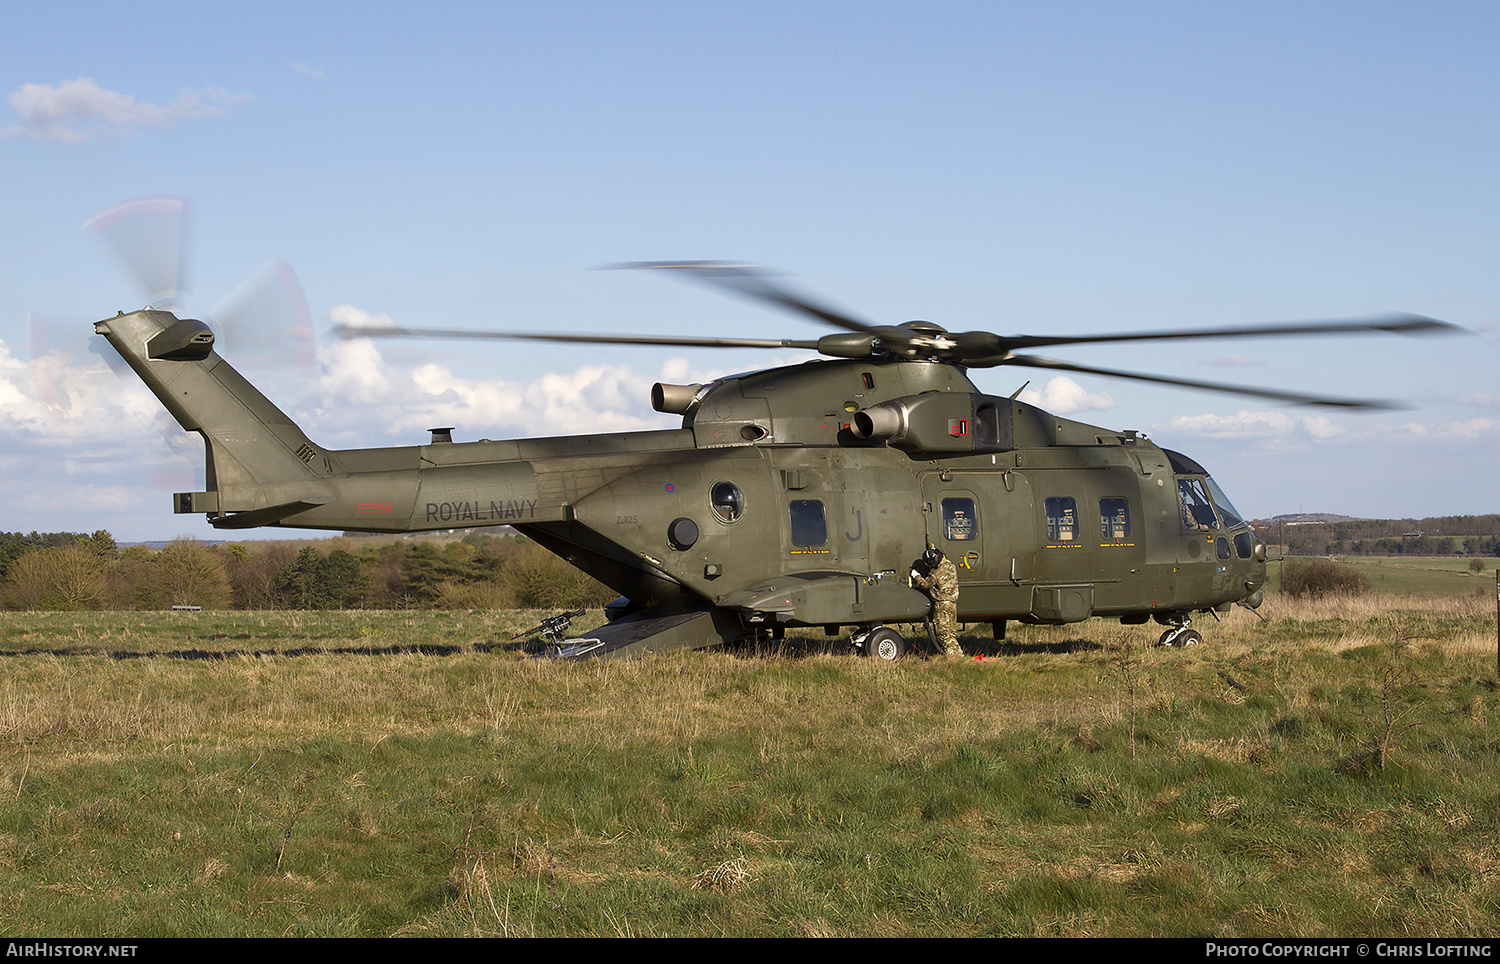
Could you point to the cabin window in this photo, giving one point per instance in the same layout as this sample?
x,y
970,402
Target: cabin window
x,y
1222,544
1197,510
1062,520
809,525
727,500
959,521
1243,547
1114,519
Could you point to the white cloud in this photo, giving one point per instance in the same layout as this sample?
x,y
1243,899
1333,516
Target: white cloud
x,y
81,446
1280,430
80,110
594,398
1252,425
1469,429
1065,396
354,372
352,317
52,399
394,403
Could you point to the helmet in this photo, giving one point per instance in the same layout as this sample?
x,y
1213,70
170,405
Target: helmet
x,y
932,556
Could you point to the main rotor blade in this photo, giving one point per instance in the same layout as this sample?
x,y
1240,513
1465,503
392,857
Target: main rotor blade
x,y
747,280
1036,361
1396,323
393,331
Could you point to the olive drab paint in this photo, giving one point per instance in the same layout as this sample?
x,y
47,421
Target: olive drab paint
x,y
795,496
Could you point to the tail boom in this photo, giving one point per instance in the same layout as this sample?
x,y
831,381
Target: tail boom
x,y
262,470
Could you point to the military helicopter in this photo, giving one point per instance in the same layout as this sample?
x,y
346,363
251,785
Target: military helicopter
x,y
797,496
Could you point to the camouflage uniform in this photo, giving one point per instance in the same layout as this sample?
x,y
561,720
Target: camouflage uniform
x,y
941,584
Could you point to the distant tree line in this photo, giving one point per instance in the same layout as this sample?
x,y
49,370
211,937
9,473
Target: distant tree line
x,y
1476,535
78,571
73,571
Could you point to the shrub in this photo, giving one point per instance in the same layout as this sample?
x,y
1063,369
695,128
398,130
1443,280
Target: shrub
x,y
539,580
189,573
60,577
1321,577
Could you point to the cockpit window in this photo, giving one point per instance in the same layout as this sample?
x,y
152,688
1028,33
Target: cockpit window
x,y
1227,512
1197,509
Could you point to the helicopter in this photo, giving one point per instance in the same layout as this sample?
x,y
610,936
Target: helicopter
x,y
794,496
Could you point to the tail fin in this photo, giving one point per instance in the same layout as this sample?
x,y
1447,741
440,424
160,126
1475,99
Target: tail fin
x,y
260,465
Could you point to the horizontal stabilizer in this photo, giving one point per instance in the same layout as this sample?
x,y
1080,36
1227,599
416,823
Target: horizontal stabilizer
x,y
270,514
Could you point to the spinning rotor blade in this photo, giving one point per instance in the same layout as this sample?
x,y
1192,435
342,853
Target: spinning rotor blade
x,y
147,236
925,341
393,331
1036,361
748,280
1396,323
990,348
260,321
266,317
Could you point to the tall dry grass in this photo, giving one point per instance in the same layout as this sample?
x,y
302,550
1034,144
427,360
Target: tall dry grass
x,y
397,773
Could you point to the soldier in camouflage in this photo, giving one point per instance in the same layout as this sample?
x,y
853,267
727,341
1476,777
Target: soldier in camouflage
x,y
938,578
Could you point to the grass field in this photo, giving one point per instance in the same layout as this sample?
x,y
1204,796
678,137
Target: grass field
x,y
1331,771
1422,575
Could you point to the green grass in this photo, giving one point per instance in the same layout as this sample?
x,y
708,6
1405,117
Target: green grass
x,y
1419,575
364,773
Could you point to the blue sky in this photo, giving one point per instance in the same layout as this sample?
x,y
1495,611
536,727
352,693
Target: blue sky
x,y
1039,168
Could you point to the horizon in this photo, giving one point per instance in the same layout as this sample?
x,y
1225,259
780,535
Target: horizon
x,y
269,534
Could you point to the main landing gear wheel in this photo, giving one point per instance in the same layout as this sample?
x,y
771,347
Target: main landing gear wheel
x,y
885,644
1179,636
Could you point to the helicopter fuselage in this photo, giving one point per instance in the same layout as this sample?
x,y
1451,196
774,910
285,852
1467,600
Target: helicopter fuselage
x,y
794,496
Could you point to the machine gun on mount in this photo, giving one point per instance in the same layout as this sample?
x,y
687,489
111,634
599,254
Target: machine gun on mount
x,y
553,630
